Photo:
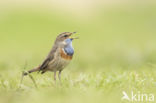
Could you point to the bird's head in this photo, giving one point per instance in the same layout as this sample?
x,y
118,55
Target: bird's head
x,y
65,38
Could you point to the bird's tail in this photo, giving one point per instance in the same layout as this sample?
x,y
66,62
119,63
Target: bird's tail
x,y
32,70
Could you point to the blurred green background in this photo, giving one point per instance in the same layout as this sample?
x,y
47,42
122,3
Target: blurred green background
x,y
116,49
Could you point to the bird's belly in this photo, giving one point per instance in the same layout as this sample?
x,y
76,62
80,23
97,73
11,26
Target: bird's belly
x,y
58,64
63,63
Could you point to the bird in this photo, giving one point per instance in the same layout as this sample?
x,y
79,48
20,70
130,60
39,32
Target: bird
x,y
59,57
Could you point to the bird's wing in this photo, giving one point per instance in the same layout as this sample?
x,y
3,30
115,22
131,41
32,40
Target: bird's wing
x,y
49,58
45,63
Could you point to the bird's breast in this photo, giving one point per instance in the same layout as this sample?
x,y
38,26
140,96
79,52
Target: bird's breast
x,y
65,55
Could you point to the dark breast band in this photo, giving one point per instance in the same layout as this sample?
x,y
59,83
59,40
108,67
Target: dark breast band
x,y
65,55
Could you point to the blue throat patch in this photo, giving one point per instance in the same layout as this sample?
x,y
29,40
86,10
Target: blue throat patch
x,y
69,50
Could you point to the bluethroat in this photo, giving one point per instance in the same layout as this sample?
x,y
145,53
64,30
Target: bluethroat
x,y
59,57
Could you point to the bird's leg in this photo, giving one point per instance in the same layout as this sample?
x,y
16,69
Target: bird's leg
x,y
55,76
59,76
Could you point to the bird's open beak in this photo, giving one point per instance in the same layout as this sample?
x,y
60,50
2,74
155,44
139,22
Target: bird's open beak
x,y
72,38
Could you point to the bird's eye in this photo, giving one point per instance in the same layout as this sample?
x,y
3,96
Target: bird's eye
x,y
65,35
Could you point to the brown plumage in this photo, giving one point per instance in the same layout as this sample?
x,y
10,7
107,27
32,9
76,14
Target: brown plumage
x,y
57,58
65,56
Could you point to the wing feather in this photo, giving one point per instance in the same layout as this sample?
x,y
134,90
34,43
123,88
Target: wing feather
x,y
49,58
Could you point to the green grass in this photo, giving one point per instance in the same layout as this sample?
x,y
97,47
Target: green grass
x,y
116,52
